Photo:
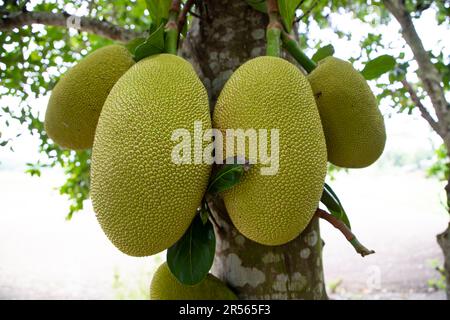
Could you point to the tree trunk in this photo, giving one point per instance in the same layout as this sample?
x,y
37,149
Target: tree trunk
x,y
230,33
443,240
431,81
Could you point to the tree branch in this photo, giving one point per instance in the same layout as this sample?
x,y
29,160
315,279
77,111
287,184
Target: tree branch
x,y
427,72
183,15
307,12
348,234
101,28
424,112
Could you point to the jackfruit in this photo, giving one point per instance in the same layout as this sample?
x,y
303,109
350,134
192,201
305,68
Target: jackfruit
x,y
78,97
353,124
271,93
165,286
143,200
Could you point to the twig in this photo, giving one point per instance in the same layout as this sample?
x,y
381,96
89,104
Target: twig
x,y
183,15
300,4
305,14
424,112
195,15
338,224
427,72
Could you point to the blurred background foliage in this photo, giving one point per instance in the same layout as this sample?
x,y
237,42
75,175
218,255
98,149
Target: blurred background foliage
x,y
33,58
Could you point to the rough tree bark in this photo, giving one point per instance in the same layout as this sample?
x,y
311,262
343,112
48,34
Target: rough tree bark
x,y
427,72
229,34
432,83
444,242
102,28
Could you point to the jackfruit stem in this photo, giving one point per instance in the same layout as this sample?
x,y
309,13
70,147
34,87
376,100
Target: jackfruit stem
x,y
338,224
296,52
273,33
171,29
273,41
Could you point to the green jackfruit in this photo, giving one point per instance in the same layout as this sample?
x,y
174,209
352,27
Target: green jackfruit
x,y
353,124
271,93
78,98
165,286
143,200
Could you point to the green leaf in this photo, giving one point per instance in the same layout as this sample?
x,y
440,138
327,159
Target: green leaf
x,y
159,10
259,5
323,52
378,66
332,202
33,172
226,178
154,44
191,258
287,11
133,44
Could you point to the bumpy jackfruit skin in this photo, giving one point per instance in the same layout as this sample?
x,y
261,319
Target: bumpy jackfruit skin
x,y
165,286
143,201
353,124
271,93
77,99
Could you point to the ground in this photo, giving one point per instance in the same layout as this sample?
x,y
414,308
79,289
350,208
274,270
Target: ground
x,y
398,216
45,257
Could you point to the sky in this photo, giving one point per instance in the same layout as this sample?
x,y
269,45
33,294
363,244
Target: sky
x,y
406,133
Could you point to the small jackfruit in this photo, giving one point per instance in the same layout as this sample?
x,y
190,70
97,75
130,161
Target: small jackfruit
x,y
78,97
143,200
271,93
165,286
353,124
